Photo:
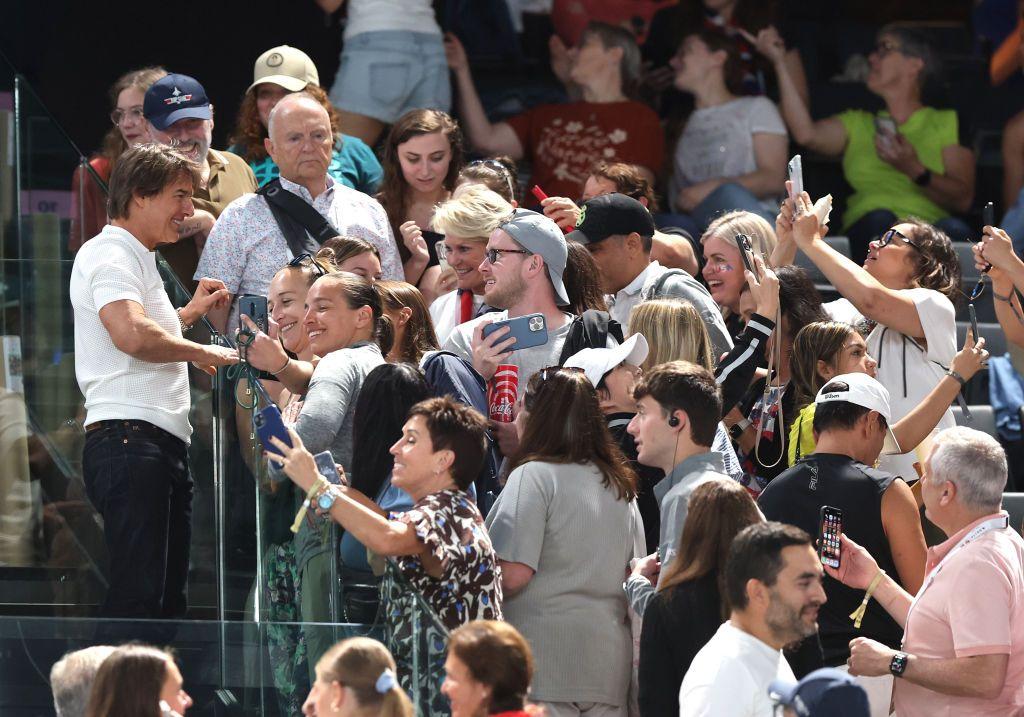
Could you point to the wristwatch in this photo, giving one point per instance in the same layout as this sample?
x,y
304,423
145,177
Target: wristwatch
x,y
898,665
326,499
738,428
924,178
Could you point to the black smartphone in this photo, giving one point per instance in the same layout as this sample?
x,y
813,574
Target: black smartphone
x,y
255,307
528,331
830,527
746,248
974,322
269,423
988,215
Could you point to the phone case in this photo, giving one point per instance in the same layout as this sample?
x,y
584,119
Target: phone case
x,y
255,307
326,466
269,423
529,331
796,176
830,526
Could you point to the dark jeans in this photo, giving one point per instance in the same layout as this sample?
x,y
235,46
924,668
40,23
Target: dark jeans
x,y
138,477
873,224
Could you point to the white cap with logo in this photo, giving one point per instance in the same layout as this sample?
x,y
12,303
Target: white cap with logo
x,y
862,390
289,67
597,362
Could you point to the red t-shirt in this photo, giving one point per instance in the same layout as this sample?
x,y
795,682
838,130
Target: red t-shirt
x,y
564,141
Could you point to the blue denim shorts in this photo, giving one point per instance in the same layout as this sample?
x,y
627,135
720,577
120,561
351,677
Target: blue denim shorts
x,y
387,73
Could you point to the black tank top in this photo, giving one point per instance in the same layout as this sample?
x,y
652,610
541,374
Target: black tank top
x,y
796,497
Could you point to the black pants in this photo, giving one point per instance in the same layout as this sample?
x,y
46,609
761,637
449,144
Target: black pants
x,y
138,477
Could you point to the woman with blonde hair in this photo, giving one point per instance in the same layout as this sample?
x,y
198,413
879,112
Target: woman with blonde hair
x,y
466,220
356,678
723,266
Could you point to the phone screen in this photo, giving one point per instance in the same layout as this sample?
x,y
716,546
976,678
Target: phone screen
x,y
325,466
255,307
829,529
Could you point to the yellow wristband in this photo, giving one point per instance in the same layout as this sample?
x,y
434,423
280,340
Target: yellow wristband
x,y
858,615
313,491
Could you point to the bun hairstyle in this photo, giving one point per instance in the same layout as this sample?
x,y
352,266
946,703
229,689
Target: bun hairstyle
x,y
339,249
365,667
935,261
358,292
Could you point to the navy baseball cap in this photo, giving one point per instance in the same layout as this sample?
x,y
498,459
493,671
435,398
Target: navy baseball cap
x,y
827,692
610,215
173,98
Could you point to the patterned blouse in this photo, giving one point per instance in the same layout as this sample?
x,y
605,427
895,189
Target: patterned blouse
x,y
450,525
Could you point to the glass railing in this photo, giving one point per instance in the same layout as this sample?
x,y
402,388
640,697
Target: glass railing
x,y
249,640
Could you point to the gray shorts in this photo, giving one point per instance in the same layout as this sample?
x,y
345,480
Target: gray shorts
x,y
385,74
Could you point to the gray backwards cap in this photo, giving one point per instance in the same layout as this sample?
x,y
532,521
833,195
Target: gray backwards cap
x,y
539,235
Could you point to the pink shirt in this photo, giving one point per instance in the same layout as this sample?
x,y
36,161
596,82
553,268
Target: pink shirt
x,y
974,606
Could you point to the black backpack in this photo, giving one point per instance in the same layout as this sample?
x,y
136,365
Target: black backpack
x,y
590,330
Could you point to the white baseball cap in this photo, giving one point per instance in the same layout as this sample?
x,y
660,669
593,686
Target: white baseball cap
x,y
597,362
861,389
289,67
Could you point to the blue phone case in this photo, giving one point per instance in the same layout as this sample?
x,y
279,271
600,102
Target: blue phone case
x,y
269,423
529,331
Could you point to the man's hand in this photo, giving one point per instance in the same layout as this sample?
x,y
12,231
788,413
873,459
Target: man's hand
x,y
214,356
506,435
200,223
648,567
210,294
456,54
265,352
856,566
895,149
488,352
869,658
562,211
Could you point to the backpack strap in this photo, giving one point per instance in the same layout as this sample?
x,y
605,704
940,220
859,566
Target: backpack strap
x,y
655,290
304,228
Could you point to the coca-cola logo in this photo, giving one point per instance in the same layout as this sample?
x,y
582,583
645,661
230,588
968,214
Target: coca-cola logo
x,y
501,408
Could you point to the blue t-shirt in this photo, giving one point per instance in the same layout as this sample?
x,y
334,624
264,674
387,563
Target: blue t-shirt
x,y
391,500
353,164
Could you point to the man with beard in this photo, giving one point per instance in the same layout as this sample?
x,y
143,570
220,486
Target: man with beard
x,y
180,116
773,584
522,271
851,419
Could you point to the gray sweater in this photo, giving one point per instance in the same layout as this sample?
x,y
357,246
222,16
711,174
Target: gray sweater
x,y
328,416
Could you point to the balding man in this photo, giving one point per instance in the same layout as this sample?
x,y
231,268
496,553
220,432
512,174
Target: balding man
x,y
259,233
963,633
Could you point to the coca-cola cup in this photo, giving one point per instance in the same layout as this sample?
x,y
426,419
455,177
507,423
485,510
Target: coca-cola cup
x,y
502,392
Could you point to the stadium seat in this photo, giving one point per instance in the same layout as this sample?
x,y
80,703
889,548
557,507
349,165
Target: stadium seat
x,y
995,339
966,257
821,282
983,419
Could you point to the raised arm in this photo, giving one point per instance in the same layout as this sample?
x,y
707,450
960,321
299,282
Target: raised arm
x,y
827,136
889,307
487,138
1007,274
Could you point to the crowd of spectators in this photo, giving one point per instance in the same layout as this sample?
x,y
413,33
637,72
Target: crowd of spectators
x,y
594,438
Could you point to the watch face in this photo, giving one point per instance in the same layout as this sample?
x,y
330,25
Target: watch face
x,y
325,501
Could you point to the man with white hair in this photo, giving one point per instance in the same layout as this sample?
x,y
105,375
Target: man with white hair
x,y
257,234
963,640
71,679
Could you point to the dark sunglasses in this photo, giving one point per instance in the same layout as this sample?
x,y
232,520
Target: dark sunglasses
x,y
886,239
492,255
306,260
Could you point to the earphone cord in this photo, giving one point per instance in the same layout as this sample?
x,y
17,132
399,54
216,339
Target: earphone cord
x,y
774,362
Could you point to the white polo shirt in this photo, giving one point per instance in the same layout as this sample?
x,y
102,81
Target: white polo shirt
x,y
111,267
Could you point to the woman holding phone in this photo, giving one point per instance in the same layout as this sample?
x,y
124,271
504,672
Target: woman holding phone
x,y
906,160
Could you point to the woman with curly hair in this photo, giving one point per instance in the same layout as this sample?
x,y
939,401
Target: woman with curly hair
x,y
280,71
902,298
422,159
88,197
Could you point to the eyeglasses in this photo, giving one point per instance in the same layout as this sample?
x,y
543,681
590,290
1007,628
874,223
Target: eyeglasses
x,y
492,255
133,113
303,261
884,47
886,239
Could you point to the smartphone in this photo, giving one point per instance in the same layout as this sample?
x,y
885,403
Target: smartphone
x,y
988,215
442,262
269,424
830,527
255,307
528,331
796,176
974,322
538,193
747,253
885,126
326,467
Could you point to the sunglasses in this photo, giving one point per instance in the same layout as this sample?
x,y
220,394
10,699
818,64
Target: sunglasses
x,y
492,255
498,168
306,260
886,239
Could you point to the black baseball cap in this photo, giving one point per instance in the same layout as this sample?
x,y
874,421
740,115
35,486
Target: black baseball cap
x,y
175,97
611,215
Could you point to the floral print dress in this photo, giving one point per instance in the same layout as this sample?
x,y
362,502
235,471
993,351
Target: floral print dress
x,y
449,524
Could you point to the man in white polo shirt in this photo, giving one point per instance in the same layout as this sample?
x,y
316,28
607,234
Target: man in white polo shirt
x,y
130,360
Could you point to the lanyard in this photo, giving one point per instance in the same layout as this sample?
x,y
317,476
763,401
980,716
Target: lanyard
x,y
1000,523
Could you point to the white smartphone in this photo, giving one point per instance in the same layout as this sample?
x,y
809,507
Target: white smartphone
x,y
796,176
